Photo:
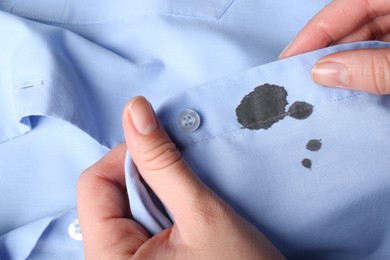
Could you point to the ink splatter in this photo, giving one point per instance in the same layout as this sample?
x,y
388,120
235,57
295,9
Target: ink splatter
x,y
306,163
300,110
263,107
314,145
266,105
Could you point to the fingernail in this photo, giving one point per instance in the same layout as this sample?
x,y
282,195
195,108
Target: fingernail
x,y
142,116
331,74
284,51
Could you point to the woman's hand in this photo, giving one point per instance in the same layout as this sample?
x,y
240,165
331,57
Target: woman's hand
x,y
344,21
204,226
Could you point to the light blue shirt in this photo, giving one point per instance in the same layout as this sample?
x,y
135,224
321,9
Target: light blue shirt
x,y
67,69
314,178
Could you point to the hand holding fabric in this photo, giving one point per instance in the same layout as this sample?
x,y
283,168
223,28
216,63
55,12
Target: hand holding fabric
x,y
204,226
344,21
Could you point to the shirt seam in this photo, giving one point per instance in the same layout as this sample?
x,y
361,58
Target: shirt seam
x,y
33,15
64,10
224,10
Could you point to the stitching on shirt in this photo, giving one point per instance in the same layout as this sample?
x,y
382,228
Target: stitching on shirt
x,y
29,85
341,99
284,114
34,15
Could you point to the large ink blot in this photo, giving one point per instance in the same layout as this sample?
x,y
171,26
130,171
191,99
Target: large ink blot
x,y
263,107
266,105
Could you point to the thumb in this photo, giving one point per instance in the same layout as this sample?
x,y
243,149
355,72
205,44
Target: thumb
x,y
160,163
365,70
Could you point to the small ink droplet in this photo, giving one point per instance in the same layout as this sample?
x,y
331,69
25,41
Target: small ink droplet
x,y
300,110
314,145
306,163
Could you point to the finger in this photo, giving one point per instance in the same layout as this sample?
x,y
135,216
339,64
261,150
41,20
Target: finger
x,y
107,171
160,163
365,70
200,216
336,20
102,208
373,30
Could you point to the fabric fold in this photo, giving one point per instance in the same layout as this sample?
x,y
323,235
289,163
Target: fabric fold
x,y
27,235
62,82
46,238
145,210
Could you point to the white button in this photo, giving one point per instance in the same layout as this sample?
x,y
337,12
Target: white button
x,y
188,120
74,230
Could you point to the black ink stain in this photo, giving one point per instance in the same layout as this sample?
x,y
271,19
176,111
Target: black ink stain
x,y
300,110
306,163
266,105
263,107
314,145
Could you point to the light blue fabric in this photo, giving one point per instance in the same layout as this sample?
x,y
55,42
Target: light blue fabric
x,y
337,209
68,67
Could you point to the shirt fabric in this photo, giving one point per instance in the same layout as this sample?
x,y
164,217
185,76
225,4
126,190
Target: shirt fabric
x,y
336,208
68,67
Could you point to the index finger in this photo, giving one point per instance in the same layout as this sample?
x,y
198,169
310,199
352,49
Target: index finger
x,y
336,20
101,187
103,209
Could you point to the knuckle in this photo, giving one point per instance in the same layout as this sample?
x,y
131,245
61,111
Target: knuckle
x,y
160,156
82,179
380,72
323,30
92,177
87,180
368,5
